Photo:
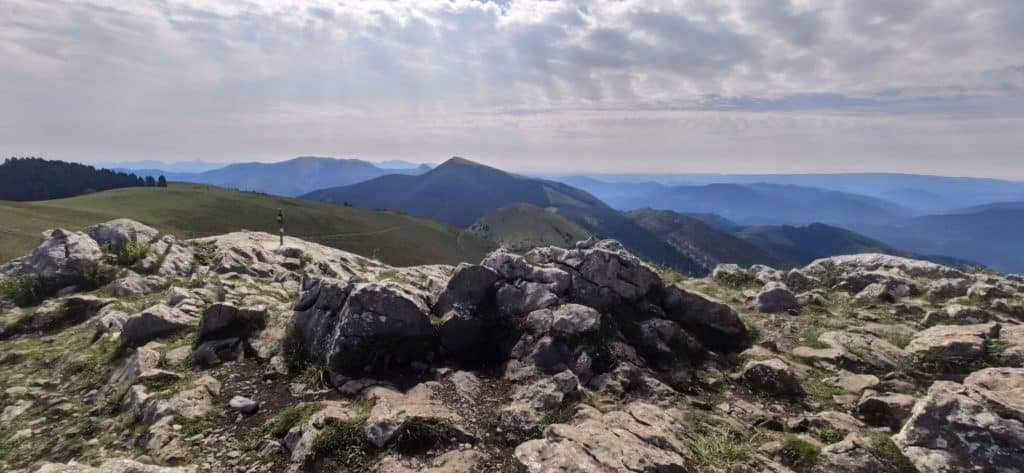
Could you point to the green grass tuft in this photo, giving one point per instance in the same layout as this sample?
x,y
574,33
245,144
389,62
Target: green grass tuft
x,y
799,453
344,443
889,454
288,418
719,448
132,251
419,434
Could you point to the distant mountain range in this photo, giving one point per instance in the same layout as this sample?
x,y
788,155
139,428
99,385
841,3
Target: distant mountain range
x,y
520,212
919,193
750,204
289,178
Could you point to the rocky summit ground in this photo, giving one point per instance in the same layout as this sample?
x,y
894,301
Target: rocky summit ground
x,y
124,350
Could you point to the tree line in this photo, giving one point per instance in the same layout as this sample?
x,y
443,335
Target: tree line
x,y
34,178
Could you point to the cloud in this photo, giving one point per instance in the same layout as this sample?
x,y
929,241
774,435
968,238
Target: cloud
x,y
519,81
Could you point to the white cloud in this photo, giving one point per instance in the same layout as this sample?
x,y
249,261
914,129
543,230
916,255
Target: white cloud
x,y
525,84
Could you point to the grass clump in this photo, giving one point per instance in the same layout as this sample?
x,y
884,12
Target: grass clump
x,y
798,453
719,448
344,443
812,339
899,339
131,252
886,451
203,253
288,418
818,386
995,351
191,427
25,290
313,375
419,434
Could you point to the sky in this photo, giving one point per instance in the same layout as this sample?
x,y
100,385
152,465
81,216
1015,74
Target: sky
x,y
732,86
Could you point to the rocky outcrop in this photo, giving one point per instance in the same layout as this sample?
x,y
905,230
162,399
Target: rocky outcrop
x,y
562,296
113,466
974,426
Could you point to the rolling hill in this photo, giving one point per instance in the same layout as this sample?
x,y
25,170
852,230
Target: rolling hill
x,y
459,192
289,178
703,242
520,227
193,210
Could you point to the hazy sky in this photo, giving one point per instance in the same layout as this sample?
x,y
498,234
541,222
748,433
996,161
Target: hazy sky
x,y
644,85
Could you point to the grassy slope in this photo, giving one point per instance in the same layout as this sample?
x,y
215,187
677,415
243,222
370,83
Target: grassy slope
x,y
193,210
702,242
524,226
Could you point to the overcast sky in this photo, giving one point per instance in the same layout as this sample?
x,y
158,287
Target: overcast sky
x,y
636,85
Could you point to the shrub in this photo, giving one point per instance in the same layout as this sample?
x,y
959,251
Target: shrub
x,y
203,253
132,251
799,453
23,291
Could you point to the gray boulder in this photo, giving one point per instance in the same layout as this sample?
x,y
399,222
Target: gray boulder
x,y
469,288
771,376
115,234
885,410
225,320
575,319
974,426
524,297
460,333
639,438
152,323
715,324
63,256
775,297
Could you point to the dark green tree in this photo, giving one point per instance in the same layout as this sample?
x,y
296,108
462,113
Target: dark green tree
x,y
161,181
150,182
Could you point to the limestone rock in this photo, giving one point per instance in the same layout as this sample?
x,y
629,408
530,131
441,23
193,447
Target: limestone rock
x,y
530,403
775,297
152,323
963,427
224,320
639,438
771,376
116,233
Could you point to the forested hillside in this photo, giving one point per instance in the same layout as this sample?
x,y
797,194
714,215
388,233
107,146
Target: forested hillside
x,y
40,179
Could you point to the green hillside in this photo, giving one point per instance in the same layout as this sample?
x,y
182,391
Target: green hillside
x,y
702,242
520,227
193,210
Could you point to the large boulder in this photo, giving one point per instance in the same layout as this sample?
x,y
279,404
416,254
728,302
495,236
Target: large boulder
x,y
881,262
63,256
772,376
639,438
715,324
974,426
116,233
226,320
531,403
954,349
775,297
152,323
469,288
351,326
392,410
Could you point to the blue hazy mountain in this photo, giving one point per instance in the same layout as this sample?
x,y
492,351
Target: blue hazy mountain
x,y
289,178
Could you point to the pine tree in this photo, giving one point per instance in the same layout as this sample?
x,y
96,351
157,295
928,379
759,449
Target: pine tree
x,y
161,181
150,182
